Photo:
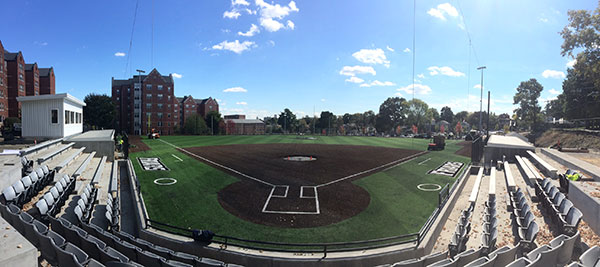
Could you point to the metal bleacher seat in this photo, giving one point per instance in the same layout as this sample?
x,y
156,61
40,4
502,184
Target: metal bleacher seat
x,y
111,254
480,262
566,252
404,263
503,256
544,255
591,257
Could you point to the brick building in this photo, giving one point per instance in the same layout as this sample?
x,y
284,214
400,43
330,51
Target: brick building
x,y
15,76
3,87
47,81
244,127
235,116
145,102
20,79
32,79
189,106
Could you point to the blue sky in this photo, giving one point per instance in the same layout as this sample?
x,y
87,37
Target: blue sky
x,y
341,56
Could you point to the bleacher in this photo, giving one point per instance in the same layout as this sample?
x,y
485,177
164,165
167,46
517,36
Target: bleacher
x,y
57,212
550,170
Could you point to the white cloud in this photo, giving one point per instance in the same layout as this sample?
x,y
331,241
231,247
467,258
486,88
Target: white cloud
x,y
271,13
371,56
389,48
377,83
571,63
239,2
251,32
119,54
354,79
353,70
553,74
442,10
435,70
241,103
235,46
251,12
235,90
270,24
422,76
477,86
176,75
226,30
554,91
544,20
233,14
272,43
398,94
420,89
406,50
322,99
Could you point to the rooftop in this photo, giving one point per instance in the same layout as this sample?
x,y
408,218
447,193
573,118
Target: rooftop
x,y
50,97
508,142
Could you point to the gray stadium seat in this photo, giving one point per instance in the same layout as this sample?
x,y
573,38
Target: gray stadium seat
x,y
590,257
527,238
9,194
162,251
75,235
175,264
48,243
111,254
503,256
13,213
563,210
126,249
94,263
488,242
520,262
409,263
441,263
143,244
523,222
210,262
93,246
20,222
148,258
30,232
571,221
481,262
59,224
566,252
466,256
71,255
108,238
190,259
431,258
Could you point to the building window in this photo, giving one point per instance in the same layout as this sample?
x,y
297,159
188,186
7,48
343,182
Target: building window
x,y
118,98
160,96
159,123
128,89
21,88
20,66
67,117
160,115
54,116
187,106
20,76
148,106
148,86
149,96
193,106
160,106
175,105
169,97
210,107
169,124
118,92
72,117
169,89
160,87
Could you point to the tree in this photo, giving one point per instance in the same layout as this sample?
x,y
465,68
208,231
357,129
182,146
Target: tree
x,y
303,125
213,120
447,114
326,121
195,125
287,120
556,108
392,112
417,113
526,97
99,111
581,89
435,115
461,116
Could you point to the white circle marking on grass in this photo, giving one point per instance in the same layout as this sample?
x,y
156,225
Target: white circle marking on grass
x,y
159,181
300,158
429,187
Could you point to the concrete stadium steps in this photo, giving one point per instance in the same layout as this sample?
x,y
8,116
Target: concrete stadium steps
x,y
53,153
103,187
38,153
58,159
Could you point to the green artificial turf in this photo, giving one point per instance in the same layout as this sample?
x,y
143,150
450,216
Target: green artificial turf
x,y
397,207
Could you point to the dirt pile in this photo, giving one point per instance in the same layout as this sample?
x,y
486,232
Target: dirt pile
x,y
571,139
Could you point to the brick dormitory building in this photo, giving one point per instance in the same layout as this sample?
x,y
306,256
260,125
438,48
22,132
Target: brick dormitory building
x,y
20,79
146,102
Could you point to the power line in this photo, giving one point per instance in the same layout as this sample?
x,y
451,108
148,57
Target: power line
x,y
131,39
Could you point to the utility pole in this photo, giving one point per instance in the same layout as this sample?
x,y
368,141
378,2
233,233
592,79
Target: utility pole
x,y
488,118
481,99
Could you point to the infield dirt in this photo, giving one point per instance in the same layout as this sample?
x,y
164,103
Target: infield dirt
x,y
336,201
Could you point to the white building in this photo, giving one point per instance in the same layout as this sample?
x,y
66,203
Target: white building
x,y
51,116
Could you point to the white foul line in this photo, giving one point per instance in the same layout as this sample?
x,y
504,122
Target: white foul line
x,y
422,162
217,164
176,157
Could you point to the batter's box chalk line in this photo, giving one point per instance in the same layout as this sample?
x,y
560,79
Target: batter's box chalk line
x,y
302,188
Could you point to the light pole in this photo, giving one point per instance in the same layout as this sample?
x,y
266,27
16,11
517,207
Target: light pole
x,y
481,99
284,123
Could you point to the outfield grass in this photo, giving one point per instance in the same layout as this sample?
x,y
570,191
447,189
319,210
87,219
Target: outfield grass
x,y
397,207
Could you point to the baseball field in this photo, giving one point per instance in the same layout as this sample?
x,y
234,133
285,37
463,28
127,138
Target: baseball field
x,y
295,189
